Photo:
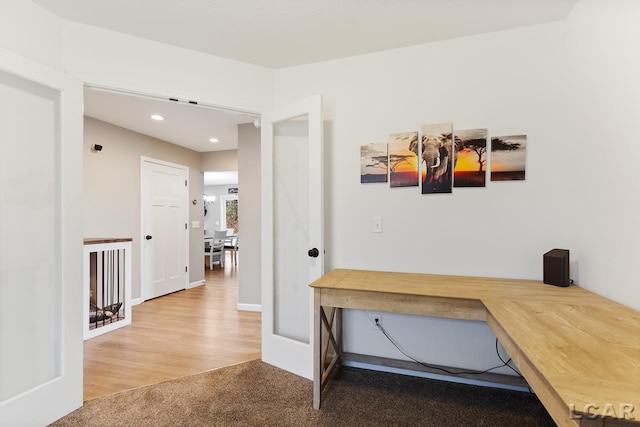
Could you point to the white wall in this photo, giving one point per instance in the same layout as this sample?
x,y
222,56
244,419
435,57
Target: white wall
x,y
31,31
220,161
249,186
604,197
511,82
117,60
196,213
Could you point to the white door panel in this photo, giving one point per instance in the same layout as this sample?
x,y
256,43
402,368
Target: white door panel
x,y
291,228
174,269
40,244
165,236
292,225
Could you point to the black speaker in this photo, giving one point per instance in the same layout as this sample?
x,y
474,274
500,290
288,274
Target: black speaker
x,y
556,267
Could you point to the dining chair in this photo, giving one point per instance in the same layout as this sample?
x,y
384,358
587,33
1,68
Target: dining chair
x,y
214,254
232,244
215,250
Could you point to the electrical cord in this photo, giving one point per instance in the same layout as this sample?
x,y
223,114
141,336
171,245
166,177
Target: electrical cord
x,y
507,363
426,365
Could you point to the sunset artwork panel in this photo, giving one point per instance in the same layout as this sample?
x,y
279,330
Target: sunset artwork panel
x,y
508,157
374,161
436,161
471,158
403,159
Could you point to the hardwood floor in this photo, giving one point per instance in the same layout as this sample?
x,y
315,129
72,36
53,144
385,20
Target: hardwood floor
x,y
175,335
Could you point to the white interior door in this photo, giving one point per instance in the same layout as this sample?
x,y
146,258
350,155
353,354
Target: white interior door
x,y
164,227
40,243
292,232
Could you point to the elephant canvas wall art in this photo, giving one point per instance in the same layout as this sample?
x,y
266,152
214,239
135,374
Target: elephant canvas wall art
x,y
437,158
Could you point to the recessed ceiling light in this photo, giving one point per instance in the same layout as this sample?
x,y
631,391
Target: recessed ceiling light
x,y
157,117
214,140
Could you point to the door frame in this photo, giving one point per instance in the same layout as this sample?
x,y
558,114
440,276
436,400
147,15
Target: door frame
x,y
144,185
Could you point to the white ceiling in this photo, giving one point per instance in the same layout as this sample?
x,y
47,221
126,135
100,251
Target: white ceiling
x,y
282,33
221,178
184,124
276,34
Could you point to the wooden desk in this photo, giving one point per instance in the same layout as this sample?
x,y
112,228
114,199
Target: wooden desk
x,y
579,352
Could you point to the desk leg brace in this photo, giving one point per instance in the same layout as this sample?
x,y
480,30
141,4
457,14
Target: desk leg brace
x,y
325,325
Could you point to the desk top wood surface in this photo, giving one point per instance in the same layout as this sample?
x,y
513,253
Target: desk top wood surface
x,y
464,287
585,346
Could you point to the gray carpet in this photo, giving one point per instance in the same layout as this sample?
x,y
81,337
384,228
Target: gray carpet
x,y
257,394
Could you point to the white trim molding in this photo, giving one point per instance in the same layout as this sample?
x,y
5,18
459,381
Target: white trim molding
x,y
250,307
196,284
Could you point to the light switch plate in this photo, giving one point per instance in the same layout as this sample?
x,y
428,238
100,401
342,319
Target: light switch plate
x,y
377,224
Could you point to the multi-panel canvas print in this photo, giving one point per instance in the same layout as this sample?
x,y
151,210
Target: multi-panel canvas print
x,y
403,159
508,157
436,158
470,158
374,159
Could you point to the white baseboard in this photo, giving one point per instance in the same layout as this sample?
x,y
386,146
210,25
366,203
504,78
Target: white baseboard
x,y
250,307
196,284
136,301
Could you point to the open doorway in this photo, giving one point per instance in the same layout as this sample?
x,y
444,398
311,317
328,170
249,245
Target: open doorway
x,y
112,209
121,123
221,212
220,192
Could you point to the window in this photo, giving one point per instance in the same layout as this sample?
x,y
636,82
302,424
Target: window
x,y
229,212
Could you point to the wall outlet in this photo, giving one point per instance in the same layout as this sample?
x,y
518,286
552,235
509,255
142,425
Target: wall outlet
x,y
374,317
